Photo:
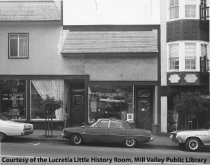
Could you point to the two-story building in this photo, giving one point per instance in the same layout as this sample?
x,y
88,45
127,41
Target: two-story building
x,y
98,71
184,50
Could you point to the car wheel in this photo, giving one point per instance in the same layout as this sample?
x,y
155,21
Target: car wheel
x,y
130,142
76,139
192,144
2,136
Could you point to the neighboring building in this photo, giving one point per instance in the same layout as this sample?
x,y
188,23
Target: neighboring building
x,y
184,52
29,55
97,71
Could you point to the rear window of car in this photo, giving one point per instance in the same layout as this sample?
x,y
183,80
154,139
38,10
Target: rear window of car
x,y
126,125
102,124
115,124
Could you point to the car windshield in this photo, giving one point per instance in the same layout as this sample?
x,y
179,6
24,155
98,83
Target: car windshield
x,y
2,117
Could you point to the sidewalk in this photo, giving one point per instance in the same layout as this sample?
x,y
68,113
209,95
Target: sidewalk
x,y
39,135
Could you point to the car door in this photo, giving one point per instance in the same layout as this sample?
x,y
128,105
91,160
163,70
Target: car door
x,y
97,133
116,131
208,141
206,134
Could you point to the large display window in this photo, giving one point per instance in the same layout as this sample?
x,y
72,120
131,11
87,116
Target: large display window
x,y
42,88
13,98
110,101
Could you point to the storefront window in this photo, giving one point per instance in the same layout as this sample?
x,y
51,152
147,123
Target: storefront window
x,y
42,88
110,101
13,98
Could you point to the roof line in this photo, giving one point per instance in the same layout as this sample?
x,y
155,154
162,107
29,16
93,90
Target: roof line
x,y
112,27
26,1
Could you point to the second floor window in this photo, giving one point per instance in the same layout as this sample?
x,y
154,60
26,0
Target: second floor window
x,y
174,9
190,11
18,45
203,50
203,3
174,56
190,56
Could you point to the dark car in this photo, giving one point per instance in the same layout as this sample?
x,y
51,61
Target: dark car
x,y
108,131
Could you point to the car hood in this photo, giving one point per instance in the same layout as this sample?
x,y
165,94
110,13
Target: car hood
x,y
188,131
10,122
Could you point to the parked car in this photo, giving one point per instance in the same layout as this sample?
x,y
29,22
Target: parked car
x,y
192,140
12,128
108,131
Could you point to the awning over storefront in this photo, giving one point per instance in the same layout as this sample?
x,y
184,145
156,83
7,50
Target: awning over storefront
x,y
110,42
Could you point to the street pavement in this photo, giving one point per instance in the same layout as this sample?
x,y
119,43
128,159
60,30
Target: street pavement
x,y
36,149
162,141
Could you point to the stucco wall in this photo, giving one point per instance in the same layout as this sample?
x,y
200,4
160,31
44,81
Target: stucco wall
x,y
163,11
44,55
113,69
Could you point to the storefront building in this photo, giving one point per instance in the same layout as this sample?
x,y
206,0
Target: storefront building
x,y
184,54
96,71
122,68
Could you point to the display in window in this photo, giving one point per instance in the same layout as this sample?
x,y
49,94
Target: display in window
x,y
110,101
12,97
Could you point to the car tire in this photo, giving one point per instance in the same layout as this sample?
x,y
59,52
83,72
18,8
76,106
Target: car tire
x,y
2,136
130,142
76,139
193,144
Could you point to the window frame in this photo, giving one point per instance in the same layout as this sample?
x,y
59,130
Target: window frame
x,y
192,59
204,45
190,5
25,101
18,57
173,59
175,6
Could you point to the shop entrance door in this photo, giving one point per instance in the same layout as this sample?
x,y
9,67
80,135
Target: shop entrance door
x,y
77,102
143,108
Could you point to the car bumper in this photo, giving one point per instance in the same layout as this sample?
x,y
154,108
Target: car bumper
x,y
175,140
27,132
151,139
64,136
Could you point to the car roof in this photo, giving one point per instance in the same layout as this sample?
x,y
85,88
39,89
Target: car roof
x,y
111,119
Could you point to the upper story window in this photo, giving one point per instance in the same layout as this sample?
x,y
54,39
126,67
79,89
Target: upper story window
x,y
190,56
18,45
190,11
203,50
174,56
203,2
174,9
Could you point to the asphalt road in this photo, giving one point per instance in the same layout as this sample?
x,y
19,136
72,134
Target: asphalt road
x,y
20,152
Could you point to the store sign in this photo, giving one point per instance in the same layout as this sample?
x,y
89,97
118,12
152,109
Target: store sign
x,y
191,78
174,78
130,117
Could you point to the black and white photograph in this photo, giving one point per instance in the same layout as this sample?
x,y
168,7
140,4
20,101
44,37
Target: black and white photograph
x,y
104,82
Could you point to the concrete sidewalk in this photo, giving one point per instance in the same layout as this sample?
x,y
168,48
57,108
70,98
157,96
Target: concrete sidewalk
x,y
39,135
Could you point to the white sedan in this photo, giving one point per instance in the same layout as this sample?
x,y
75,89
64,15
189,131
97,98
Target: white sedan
x,y
12,128
192,140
